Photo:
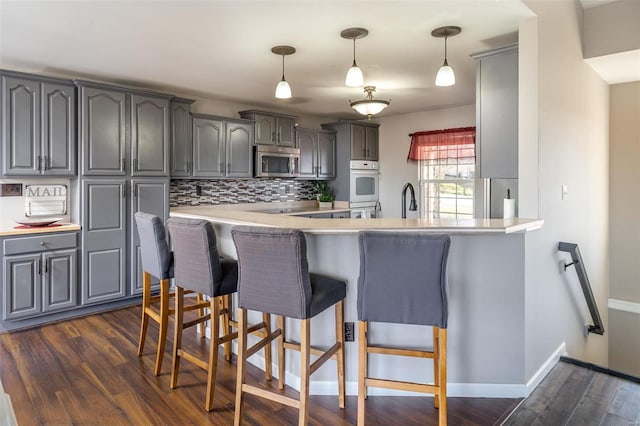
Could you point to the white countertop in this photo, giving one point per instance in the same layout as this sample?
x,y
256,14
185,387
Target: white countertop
x,y
250,214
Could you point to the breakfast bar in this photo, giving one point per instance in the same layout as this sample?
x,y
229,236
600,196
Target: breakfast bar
x,y
486,291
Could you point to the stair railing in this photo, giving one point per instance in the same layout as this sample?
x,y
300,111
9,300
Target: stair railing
x,y
577,263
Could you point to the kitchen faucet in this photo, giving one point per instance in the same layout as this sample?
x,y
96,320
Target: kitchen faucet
x,y
413,206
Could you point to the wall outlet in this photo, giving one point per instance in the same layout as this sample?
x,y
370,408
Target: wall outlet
x,y
10,190
198,190
349,332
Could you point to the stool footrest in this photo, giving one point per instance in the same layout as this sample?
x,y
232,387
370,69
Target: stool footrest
x,y
314,350
193,359
398,351
398,385
196,321
262,343
330,353
285,400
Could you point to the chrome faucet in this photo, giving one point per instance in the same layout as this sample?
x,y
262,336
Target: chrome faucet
x,y
413,206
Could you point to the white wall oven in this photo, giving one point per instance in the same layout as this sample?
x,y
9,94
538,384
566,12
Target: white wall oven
x,y
363,185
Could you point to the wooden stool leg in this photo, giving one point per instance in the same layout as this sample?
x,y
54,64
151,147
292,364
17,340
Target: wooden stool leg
x,y
177,336
201,326
305,357
226,301
281,355
146,303
164,323
242,360
340,354
267,349
442,349
436,368
362,369
213,351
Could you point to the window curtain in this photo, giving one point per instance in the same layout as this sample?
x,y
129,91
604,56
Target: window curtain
x,y
459,143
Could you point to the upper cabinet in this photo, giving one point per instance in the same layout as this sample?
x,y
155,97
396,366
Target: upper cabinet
x,y
362,138
272,129
180,153
222,147
123,132
317,153
38,126
497,112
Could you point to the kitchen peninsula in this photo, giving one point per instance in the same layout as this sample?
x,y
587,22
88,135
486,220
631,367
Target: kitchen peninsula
x,y
486,291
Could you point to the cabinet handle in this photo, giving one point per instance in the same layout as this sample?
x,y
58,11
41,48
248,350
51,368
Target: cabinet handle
x,y
124,189
135,164
39,266
228,167
134,190
46,266
273,136
47,162
186,166
39,163
124,164
189,166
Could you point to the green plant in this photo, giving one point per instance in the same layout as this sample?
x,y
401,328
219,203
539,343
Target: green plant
x,y
320,187
326,196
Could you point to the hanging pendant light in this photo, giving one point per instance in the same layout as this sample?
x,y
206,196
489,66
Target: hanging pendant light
x,y
354,76
283,90
369,106
445,76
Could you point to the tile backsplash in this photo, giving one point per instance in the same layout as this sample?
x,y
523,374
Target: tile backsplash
x,y
185,192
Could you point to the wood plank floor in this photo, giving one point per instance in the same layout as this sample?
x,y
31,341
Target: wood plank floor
x,y
85,372
574,395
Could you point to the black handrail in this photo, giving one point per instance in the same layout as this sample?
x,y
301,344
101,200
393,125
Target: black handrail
x,y
597,327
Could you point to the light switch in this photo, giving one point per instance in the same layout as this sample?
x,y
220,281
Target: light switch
x,y
565,191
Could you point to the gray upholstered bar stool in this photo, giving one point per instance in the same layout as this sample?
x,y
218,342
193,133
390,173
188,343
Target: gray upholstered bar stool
x,y
403,281
198,267
157,261
274,277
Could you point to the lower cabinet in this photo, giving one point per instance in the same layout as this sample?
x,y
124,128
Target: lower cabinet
x,y
39,275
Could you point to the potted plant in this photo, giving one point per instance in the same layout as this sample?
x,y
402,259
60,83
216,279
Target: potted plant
x,y
326,197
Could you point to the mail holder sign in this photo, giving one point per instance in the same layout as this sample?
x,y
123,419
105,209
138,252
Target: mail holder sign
x,y
45,200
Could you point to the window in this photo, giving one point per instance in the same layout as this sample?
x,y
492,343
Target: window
x,y
447,171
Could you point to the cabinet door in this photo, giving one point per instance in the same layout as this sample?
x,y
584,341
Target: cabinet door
x,y
149,136
104,240
265,129
20,126
103,132
22,289
371,137
239,143
286,131
149,196
208,148
308,143
180,139
59,280
497,103
326,155
58,129
358,143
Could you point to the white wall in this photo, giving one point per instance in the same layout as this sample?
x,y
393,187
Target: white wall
x,y
572,149
394,147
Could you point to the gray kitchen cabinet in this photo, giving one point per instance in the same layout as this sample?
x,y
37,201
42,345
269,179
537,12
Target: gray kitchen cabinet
x,y
317,153
104,240
103,131
497,112
38,126
222,147
39,275
181,143
149,135
272,129
362,138
149,196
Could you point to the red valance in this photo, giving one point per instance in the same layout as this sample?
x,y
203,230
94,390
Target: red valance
x,y
442,144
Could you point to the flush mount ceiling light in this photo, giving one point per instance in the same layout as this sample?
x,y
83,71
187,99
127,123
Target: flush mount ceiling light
x,y
283,90
354,75
445,76
369,106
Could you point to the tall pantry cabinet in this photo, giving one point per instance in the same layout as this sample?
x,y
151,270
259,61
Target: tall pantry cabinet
x,y
124,168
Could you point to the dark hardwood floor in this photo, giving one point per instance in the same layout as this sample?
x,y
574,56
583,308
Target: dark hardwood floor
x,y
574,395
85,372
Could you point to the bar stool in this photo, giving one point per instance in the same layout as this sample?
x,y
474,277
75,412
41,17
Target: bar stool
x,y
157,261
274,278
199,268
403,281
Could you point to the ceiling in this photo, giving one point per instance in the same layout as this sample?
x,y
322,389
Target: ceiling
x,y
222,49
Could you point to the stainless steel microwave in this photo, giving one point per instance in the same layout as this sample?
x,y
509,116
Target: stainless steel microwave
x,y
276,161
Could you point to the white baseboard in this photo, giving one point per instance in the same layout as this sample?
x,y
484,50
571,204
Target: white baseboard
x,y
545,368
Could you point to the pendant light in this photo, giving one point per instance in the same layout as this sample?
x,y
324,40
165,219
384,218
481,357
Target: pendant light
x,y
283,90
445,76
354,76
369,106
